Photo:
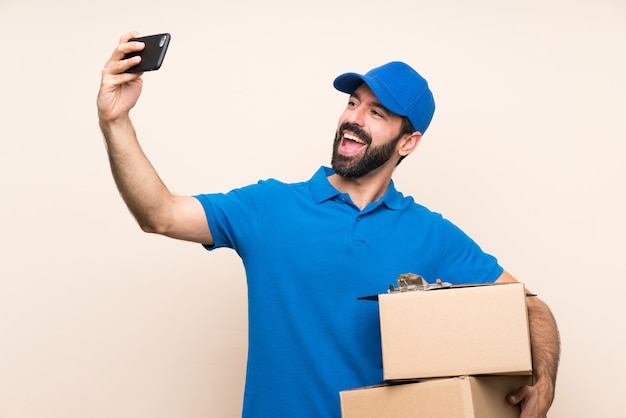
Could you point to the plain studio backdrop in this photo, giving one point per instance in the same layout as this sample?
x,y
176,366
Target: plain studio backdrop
x,y
526,153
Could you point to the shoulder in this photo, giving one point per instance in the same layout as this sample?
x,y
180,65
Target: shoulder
x,y
274,186
408,204
414,214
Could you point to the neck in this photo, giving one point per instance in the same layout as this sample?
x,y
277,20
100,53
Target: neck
x,y
362,190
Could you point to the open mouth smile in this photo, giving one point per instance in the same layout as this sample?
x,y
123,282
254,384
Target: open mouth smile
x,y
351,143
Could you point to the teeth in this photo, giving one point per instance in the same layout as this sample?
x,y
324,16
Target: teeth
x,y
354,138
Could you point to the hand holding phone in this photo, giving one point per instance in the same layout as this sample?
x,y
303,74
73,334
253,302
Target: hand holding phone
x,y
152,55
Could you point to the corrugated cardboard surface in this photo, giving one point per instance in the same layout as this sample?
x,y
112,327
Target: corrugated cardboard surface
x,y
458,397
458,331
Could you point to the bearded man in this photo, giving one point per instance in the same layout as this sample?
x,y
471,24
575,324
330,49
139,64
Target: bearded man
x,y
310,249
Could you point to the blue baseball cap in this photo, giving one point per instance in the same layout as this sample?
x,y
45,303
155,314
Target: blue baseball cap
x,y
399,88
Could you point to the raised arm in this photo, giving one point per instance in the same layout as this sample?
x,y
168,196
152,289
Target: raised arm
x,y
546,349
156,209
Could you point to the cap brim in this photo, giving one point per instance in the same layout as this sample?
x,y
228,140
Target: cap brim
x,y
349,82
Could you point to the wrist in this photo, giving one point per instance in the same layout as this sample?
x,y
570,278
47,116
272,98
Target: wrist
x,y
113,127
544,385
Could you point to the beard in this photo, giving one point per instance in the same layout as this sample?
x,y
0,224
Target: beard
x,y
358,166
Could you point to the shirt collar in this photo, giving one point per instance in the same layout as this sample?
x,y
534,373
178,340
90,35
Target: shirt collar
x,y
322,190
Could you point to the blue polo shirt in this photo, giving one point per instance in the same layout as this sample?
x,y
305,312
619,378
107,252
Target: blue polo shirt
x,y
309,253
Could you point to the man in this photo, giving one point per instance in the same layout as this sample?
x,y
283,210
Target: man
x,y
311,248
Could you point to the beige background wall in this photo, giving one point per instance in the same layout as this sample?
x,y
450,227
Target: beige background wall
x,y
526,153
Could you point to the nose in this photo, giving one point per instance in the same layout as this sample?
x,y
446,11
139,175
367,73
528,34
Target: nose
x,y
355,115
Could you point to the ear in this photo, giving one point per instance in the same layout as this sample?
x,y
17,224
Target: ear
x,y
408,144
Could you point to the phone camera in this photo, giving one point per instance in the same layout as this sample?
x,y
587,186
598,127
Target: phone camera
x,y
162,41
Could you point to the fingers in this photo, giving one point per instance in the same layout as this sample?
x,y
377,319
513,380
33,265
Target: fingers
x,y
124,38
124,47
117,63
119,91
532,406
519,395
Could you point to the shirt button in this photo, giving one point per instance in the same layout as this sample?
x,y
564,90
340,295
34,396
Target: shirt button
x,y
358,219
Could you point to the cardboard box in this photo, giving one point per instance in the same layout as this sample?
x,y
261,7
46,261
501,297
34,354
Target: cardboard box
x,y
466,330
457,397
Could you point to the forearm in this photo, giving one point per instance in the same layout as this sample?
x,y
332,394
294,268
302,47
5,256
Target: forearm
x,y
545,345
137,181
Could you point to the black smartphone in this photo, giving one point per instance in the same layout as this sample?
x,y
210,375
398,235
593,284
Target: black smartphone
x,y
152,55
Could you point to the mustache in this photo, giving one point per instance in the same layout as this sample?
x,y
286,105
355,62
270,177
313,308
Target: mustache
x,y
355,129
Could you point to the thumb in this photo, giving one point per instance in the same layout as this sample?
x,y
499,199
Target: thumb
x,y
519,395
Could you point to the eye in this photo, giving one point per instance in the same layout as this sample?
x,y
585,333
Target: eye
x,y
378,113
352,103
